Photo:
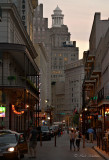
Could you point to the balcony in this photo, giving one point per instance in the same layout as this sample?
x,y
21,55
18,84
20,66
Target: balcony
x,y
103,100
91,55
90,81
96,69
89,63
18,82
103,96
87,68
93,77
89,59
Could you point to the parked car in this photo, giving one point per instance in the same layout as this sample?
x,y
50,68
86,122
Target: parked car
x,y
44,132
13,145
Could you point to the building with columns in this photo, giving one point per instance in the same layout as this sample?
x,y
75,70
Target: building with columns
x,y
63,51
57,17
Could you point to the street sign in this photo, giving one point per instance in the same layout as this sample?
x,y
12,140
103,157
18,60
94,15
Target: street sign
x,y
62,113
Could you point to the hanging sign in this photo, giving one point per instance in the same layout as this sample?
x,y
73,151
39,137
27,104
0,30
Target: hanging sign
x,y
16,112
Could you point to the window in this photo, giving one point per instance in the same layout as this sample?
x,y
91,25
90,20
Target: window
x,y
65,59
38,29
43,29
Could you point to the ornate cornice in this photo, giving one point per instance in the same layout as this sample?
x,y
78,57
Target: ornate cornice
x,y
34,3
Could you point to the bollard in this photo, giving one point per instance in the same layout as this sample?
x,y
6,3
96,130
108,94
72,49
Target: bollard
x,y
40,139
55,139
83,141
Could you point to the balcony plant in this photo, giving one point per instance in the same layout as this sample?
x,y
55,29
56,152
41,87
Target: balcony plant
x,y
11,78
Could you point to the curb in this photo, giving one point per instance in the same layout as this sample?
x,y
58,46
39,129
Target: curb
x,y
102,155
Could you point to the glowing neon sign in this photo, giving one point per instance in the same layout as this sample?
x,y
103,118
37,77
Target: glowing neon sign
x,y
2,111
16,112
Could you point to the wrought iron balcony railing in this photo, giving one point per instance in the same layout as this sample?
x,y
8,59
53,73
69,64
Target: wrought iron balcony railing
x,y
18,82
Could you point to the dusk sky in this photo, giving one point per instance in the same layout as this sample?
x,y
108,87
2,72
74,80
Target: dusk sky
x,y
78,16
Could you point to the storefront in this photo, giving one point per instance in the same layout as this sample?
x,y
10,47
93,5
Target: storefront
x,y
19,87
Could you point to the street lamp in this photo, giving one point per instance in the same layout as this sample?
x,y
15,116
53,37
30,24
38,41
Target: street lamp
x,y
85,109
46,101
48,118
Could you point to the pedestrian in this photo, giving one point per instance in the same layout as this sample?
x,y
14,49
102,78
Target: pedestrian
x,y
32,142
72,139
78,138
90,132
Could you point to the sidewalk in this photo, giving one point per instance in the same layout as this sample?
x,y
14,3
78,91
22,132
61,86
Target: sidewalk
x,y
101,153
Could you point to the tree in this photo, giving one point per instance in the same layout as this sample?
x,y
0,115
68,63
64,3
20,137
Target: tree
x,y
76,119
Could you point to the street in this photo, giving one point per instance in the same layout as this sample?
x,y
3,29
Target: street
x,y
48,151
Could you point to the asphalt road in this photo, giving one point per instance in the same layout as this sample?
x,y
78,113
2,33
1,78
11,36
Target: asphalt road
x,y
48,150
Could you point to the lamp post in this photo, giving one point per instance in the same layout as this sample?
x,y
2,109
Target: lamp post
x,y
49,110
84,119
0,14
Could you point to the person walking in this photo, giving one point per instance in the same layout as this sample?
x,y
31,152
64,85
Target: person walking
x,y
90,132
72,139
32,142
78,138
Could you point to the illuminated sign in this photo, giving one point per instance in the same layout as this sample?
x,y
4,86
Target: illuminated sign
x,y
100,117
16,112
2,111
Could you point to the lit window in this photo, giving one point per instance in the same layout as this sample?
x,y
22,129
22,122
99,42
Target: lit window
x,y
65,59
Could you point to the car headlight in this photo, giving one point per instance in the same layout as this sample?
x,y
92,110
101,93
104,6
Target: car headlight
x,y
11,149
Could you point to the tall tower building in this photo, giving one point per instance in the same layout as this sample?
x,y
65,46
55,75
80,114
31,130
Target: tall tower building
x,y
63,51
41,35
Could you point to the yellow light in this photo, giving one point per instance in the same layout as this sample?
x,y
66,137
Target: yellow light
x,y
80,115
19,113
46,101
27,106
